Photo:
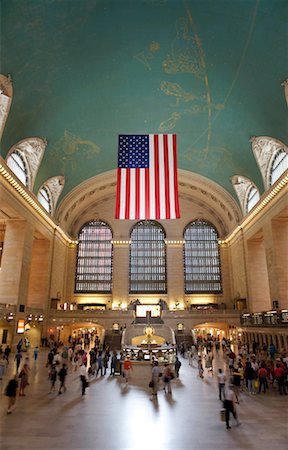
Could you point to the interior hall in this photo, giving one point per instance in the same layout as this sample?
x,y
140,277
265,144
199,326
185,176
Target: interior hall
x,y
143,224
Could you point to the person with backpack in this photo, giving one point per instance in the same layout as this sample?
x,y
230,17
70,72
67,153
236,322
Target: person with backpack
x,y
62,378
11,393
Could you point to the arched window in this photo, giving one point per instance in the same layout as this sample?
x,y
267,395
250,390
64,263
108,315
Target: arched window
x,y
278,166
252,198
44,198
94,258
17,164
148,258
201,258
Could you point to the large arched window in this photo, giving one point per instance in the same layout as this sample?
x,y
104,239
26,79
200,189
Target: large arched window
x,y
148,258
17,164
44,197
278,166
252,198
201,258
94,258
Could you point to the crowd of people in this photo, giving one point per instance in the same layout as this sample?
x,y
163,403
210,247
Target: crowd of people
x,y
253,372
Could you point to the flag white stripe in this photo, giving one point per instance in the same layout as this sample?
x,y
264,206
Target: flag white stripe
x,y
122,194
142,194
171,176
132,192
161,178
152,176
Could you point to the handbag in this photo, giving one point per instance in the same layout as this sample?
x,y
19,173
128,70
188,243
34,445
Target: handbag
x,y
223,415
151,384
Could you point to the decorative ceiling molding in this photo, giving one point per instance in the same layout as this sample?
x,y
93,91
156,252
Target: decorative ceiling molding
x,y
6,94
55,186
242,185
285,85
193,187
264,149
32,150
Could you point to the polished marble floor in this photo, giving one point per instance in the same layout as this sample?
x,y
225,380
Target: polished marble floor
x,y
112,416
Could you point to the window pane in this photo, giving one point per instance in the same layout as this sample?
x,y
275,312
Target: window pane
x,y
94,258
201,258
17,165
44,199
147,259
279,165
252,199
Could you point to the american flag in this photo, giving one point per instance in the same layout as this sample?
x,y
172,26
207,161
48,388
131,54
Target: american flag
x,y
147,186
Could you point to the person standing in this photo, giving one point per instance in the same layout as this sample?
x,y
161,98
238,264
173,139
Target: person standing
x,y
177,366
35,353
262,375
113,364
221,383
3,365
99,364
24,375
83,378
168,375
156,374
11,392
229,405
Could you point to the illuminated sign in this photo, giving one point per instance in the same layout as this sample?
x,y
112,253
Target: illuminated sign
x,y
141,310
21,326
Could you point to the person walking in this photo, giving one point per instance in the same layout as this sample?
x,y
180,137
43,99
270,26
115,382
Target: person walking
x,y
7,352
127,367
200,367
11,392
221,383
62,377
53,376
83,378
229,405
18,358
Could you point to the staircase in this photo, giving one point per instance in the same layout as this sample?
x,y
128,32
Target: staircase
x,y
184,338
113,339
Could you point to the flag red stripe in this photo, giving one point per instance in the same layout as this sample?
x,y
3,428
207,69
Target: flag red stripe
x,y
177,208
137,193
167,181
147,194
117,213
127,197
156,168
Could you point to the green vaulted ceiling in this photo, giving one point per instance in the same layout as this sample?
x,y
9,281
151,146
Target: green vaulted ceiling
x,y
85,71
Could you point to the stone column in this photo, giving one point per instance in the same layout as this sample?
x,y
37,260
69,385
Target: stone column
x,y
279,259
120,282
38,293
16,262
175,273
